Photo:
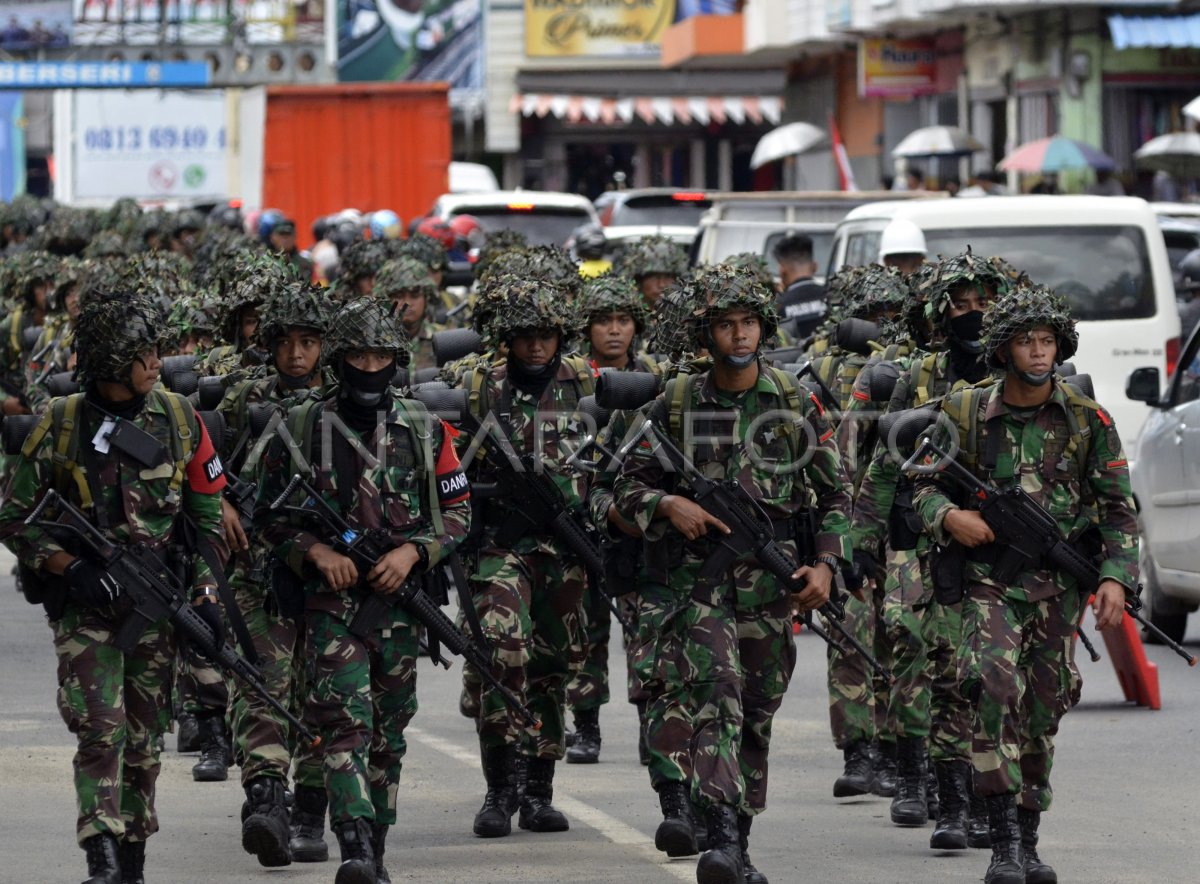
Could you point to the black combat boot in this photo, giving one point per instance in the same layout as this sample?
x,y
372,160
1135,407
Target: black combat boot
x,y
188,735
950,831
643,743
494,819
267,830
104,867
909,806
752,875
884,784
857,775
378,839
1036,871
133,862
307,831
1008,858
978,834
722,862
537,813
358,860
213,766
676,834
586,749
931,789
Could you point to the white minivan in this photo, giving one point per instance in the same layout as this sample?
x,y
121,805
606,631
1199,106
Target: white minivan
x,y
1105,254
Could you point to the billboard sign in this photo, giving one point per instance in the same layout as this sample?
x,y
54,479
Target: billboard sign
x,y
596,28
896,68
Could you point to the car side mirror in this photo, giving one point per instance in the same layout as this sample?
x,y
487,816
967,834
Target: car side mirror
x,y
1143,385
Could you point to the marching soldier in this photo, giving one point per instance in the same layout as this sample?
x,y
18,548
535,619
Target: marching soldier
x,y
1029,429
406,283
136,487
729,635
391,469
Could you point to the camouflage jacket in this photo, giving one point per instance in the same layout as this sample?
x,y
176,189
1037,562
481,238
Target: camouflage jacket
x,y
12,365
763,459
130,502
856,429
235,406
549,427
50,355
422,346
1079,478
410,462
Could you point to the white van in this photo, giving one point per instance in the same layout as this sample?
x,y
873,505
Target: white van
x,y
1105,254
545,217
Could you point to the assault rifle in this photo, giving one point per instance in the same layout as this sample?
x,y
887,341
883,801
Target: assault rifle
x,y
1029,535
542,508
753,531
157,593
366,548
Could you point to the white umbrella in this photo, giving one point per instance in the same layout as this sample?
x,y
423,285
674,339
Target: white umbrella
x,y
1177,154
786,141
1192,109
936,141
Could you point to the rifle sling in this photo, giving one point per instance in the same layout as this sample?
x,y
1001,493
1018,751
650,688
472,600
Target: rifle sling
x,y
237,623
458,577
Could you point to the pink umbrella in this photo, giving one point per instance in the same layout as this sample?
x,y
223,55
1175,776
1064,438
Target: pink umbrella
x,y
1055,154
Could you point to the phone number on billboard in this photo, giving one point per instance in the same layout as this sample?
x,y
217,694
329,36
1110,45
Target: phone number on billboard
x,y
102,138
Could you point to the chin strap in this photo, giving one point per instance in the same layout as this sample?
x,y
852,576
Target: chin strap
x,y
1034,380
740,361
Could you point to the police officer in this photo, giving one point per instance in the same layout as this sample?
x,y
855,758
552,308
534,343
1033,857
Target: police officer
x,y
1032,430
363,690
730,634
528,589
117,704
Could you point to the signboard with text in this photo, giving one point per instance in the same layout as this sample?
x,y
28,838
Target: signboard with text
x,y
574,28
101,74
896,68
149,145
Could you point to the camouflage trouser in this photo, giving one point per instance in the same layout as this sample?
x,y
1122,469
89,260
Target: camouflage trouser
x,y
200,688
117,705
364,693
655,656
904,606
950,716
589,688
531,608
262,737
1020,676
851,684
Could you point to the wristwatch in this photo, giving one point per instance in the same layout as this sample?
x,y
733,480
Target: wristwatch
x,y
832,561
422,556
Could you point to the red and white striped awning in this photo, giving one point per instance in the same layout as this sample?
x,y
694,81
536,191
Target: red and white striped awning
x,y
651,109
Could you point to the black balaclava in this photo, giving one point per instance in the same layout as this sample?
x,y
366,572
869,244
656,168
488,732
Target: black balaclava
x,y
363,394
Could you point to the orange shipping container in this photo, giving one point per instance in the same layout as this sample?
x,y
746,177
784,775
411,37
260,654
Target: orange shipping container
x,y
363,145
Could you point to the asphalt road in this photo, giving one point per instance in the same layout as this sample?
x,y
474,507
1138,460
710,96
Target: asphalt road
x,y
1125,787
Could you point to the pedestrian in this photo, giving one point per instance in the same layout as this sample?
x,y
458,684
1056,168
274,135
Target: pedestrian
x,y
137,488
802,304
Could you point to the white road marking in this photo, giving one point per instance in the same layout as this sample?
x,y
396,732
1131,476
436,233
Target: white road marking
x,y
609,826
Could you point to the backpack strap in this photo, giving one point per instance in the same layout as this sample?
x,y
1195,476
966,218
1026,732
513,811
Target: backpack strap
x,y
679,397
416,417
477,391
64,419
183,437
1079,428
795,394
17,319
922,386
300,423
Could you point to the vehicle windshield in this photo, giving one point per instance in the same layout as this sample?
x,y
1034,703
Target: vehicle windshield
x,y
659,211
1104,272
542,226
733,239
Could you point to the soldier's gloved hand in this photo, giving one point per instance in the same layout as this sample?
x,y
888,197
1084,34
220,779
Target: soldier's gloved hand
x,y
91,586
210,612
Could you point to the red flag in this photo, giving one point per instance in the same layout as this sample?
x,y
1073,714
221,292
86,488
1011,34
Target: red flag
x,y
845,172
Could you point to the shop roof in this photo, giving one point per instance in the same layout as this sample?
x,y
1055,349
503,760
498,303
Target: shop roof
x,y
1155,31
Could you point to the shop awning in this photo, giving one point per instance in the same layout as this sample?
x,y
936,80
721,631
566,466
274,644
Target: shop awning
x,y
652,110
1155,31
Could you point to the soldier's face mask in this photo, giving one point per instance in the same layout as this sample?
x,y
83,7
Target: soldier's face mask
x,y
965,330
366,387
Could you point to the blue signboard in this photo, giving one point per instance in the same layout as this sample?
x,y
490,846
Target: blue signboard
x,y
102,74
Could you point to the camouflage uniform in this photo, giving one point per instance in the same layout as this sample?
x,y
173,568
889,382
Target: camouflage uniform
x,y
117,705
724,643
1018,635
407,274
363,691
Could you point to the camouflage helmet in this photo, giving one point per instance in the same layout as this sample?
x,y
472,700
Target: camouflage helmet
x,y
69,277
553,265
722,289
106,244
404,274
524,304
114,329
878,289
653,254
295,305
497,243
1027,307
427,250
67,230
161,276
607,294
262,278
964,269
756,264
674,329
361,259
29,269
193,314
511,262
838,291
366,325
